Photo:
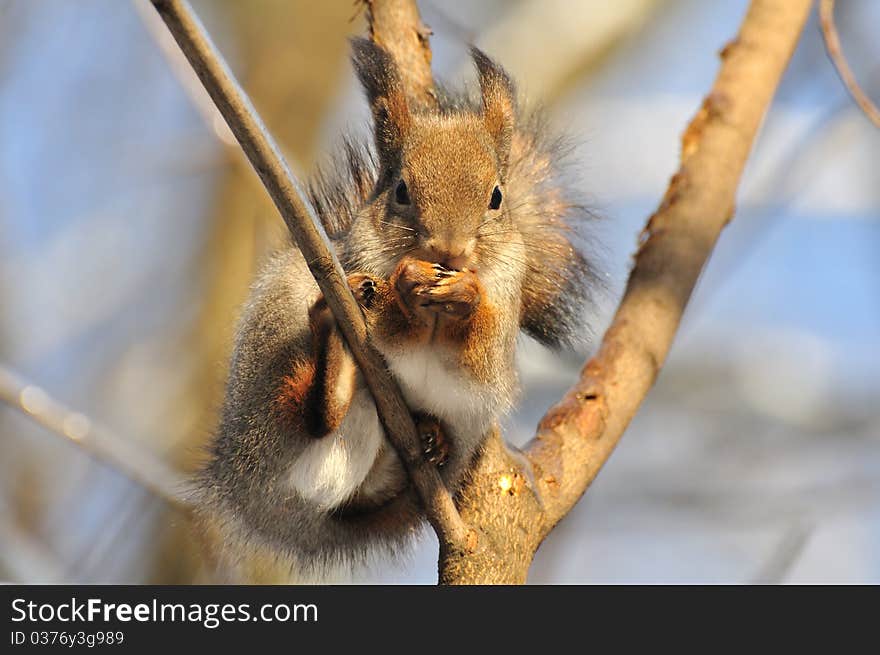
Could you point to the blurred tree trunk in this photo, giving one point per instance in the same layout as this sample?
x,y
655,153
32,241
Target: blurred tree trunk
x,y
574,39
290,57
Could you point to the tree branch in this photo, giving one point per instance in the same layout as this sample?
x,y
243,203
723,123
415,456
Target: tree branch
x,y
515,500
266,159
396,26
513,511
572,39
835,52
99,442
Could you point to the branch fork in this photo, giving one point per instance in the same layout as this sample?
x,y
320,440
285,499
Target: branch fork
x,y
515,499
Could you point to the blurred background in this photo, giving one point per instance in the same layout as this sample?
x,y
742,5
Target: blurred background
x,y
131,227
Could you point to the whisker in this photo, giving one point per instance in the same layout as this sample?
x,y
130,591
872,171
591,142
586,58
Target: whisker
x,y
399,227
487,221
530,229
555,278
561,250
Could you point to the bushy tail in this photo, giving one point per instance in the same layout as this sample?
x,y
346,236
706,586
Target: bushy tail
x,y
548,211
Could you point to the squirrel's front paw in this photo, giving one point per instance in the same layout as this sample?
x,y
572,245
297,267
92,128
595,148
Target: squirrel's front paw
x,y
411,276
365,289
455,293
433,289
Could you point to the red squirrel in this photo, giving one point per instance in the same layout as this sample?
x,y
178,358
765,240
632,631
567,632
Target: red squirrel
x,y
458,230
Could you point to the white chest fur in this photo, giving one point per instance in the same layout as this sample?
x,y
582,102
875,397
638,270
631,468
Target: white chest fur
x,y
430,384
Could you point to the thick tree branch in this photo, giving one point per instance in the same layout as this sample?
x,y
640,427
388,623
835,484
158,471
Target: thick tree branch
x,y
835,52
513,511
675,245
266,159
396,26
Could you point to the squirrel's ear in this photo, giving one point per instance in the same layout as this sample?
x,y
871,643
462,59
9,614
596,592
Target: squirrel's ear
x,y
380,78
499,103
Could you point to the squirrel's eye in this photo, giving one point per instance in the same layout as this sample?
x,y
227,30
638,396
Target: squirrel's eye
x,y
495,200
401,193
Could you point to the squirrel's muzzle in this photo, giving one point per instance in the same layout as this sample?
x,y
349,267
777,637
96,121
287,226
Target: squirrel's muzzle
x,y
456,254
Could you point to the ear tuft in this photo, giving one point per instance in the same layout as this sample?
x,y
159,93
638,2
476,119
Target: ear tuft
x,y
380,78
375,69
499,103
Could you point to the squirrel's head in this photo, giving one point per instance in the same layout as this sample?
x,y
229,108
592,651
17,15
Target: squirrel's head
x,y
441,179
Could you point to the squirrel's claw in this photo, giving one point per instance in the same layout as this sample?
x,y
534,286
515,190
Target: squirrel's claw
x,y
364,289
435,447
442,272
436,288
455,293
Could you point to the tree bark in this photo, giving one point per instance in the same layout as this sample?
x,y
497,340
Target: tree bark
x,y
397,26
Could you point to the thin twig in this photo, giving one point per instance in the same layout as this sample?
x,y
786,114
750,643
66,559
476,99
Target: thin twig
x,y
99,442
835,51
266,159
785,554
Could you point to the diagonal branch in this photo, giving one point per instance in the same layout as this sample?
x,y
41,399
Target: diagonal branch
x,y
266,159
674,247
835,51
136,463
513,511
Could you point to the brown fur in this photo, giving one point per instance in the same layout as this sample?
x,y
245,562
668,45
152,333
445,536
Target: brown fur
x,y
295,388
325,409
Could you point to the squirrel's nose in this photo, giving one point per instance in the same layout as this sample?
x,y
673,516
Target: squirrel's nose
x,y
455,255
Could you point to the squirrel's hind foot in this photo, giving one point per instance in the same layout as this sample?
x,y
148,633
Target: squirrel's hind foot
x,y
435,446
